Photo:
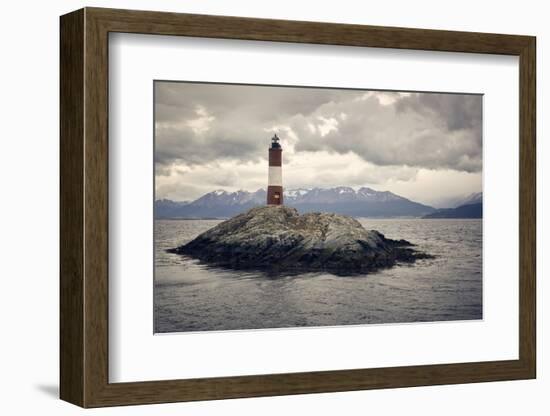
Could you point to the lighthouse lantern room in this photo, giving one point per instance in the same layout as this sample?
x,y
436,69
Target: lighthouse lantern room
x,y
275,175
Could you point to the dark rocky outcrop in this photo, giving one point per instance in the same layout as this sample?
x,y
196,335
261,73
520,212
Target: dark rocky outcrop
x,y
278,238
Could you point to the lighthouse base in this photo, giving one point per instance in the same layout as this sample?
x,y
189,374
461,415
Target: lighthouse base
x,y
274,195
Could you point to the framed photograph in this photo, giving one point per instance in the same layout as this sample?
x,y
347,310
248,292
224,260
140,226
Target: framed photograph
x,y
254,207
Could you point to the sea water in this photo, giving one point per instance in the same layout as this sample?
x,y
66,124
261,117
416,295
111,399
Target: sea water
x,y
190,296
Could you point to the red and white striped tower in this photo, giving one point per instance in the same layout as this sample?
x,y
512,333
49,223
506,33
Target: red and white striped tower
x,y
275,176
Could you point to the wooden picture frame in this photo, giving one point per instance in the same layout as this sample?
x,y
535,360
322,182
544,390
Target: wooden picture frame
x,y
84,207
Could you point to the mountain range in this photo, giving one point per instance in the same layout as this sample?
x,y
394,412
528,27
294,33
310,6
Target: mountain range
x,y
469,207
475,198
364,202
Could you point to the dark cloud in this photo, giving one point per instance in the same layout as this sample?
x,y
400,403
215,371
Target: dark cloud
x,y
457,111
435,131
177,144
177,101
197,124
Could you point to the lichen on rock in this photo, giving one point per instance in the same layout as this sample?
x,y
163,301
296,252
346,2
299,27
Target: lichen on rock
x,y
278,238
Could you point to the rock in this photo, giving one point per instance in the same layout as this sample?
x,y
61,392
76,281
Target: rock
x,y
277,238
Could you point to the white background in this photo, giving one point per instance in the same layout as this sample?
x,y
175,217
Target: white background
x,y
29,217
136,355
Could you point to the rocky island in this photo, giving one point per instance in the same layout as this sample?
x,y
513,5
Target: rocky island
x,y
279,239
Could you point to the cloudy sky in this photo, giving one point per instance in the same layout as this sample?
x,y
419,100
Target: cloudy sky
x,y
424,146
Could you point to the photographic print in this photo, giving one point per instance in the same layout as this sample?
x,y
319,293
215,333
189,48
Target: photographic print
x,y
295,206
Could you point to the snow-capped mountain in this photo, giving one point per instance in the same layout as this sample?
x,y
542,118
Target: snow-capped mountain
x,y
294,193
338,195
221,197
364,202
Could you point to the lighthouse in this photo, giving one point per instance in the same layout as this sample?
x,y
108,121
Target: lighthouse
x,y
275,175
